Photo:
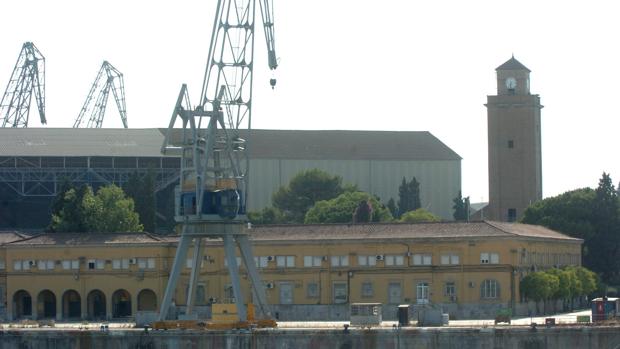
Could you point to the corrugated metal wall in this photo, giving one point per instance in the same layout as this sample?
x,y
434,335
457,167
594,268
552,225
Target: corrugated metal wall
x,y
440,181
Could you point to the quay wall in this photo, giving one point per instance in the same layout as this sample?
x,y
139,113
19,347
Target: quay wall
x,y
492,337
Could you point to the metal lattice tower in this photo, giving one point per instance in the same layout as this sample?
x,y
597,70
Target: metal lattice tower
x,y
211,199
28,78
108,79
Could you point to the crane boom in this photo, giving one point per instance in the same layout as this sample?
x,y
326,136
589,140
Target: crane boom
x,y
211,198
28,78
108,79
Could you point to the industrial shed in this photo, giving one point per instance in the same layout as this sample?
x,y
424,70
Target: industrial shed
x,y
34,161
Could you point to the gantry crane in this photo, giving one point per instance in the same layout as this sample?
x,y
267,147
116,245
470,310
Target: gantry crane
x,y
28,78
211,198
108,78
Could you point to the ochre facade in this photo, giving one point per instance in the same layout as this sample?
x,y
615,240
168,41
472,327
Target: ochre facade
x,y
105,276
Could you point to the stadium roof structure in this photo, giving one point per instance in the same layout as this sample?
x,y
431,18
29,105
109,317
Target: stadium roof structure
x,y
264,144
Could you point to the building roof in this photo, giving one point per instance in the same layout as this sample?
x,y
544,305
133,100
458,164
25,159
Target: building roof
x,y
11,236
512,64
73,239
264,144
80,142
405,231
320,232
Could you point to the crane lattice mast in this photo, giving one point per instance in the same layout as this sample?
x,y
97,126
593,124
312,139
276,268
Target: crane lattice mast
x,y
108,79
28,78
211,199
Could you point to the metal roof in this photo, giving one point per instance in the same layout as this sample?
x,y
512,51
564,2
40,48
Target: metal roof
x,y
80,142
264,144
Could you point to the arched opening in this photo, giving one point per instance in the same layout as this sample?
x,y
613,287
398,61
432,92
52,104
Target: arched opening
x,y
71,305
96,305
121,304
22,304
147,300
46,305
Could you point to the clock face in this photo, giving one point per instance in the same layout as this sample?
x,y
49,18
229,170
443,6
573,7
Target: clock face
x,y
511,83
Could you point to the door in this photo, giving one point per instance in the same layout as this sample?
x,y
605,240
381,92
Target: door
x,y
286,292
340,293
422,290
394,293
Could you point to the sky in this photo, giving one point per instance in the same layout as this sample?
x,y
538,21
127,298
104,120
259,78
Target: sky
x,y
398,65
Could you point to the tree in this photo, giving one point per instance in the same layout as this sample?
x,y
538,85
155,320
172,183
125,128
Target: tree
x,y
539,286
113,212
72,210
606,241
363,212
461,208
107,211
570,213
419,216
303,191
142,190
408,196
391,205
341,209
268,215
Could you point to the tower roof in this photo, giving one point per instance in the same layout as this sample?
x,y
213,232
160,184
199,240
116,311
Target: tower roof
x,y
512,64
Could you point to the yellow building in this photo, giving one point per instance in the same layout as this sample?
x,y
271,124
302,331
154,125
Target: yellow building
x,y
311,271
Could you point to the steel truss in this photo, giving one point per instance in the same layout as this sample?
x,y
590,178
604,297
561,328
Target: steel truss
x,y
36,181
108,79
214,162
28,78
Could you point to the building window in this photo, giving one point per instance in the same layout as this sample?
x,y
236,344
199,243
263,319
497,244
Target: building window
x,y
489,258
340,261
45,265
422,292
512,215
391,260
489,289
422,259
261,262
285,261
366,261
237,259
312,290
143,263
449,259
511,144
120,263
70,264
450,290
313,261
367,290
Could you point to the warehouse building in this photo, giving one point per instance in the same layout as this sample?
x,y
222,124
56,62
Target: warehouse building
x,y
34,162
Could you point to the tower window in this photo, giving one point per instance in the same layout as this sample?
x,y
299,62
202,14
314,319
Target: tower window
x,y
511,144
512,214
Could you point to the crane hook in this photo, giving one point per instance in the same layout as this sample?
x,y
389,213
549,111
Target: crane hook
x,y
272,82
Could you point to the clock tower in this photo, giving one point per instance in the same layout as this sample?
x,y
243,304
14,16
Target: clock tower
x,y
515,161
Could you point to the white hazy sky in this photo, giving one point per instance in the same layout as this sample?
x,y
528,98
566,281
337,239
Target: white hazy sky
x,y
352,64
